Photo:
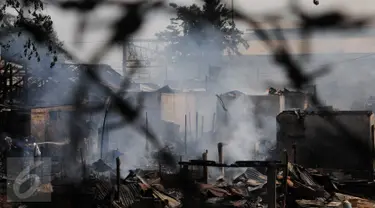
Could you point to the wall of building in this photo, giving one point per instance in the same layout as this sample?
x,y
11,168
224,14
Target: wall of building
x,y
320,144
263,105
175,106
267,105
40,120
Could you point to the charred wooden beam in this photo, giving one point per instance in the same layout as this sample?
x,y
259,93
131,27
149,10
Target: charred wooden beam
x,y
205,168
285,177
118,175
221,156
271,185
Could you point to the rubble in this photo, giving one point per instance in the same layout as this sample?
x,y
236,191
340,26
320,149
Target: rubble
x,y
268,184
305,188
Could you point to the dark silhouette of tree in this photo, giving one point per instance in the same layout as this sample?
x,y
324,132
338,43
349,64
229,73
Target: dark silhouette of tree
x,y
200,31
18,16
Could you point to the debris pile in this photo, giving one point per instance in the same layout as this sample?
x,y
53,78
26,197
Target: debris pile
x,y
302,188
134,191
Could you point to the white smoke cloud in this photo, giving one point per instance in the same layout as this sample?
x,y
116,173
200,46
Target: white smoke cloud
x,y
340,88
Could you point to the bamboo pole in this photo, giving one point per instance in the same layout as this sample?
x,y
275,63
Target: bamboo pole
x,y
221,156
205,168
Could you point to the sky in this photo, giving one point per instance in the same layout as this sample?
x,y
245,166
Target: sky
x,y
65,22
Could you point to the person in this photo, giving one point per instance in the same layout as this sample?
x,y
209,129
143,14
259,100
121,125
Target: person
x,y
31,148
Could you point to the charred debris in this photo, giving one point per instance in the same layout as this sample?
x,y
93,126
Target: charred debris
x,y
310,164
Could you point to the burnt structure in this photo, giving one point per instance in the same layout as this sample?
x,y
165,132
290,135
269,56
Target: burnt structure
x,y
348,145
370,104
39,101
258,106
14,119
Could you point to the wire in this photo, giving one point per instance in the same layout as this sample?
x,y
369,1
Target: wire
x,y
348,60
355,59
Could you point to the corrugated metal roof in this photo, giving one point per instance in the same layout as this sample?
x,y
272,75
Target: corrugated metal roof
x,y
129,193
251,177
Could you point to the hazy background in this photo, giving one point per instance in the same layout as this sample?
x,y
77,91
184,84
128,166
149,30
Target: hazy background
x,y
65,22
351,79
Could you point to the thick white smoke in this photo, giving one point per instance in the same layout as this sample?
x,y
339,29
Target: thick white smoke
x,y
340,88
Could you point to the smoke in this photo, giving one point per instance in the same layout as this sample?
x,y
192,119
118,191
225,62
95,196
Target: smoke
x,y
132,145
341,88
246,130
188,64
347,53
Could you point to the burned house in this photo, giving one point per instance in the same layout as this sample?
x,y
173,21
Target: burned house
x,y
179,104
265,105
328,139
152,105
51,104
14,115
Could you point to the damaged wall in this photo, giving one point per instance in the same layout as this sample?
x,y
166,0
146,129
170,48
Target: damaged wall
x,y
261,105
176,106
40,119
319,144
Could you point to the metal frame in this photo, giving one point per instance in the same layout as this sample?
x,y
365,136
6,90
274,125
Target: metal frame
x,y
142,55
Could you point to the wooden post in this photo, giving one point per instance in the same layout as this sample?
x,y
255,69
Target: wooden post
x,y
185,136
221,156
180,161
118,175
285,177
196,125
371,164
202,126
271,185
205,168
160,170
104,142
147,148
